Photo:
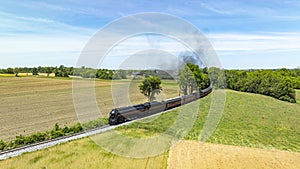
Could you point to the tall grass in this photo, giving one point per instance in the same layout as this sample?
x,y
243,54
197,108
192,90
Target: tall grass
x,y
82,153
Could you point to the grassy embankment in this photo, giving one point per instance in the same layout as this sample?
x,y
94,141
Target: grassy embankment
x,y
82,153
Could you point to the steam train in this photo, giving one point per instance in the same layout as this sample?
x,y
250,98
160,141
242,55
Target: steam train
x,y
123,114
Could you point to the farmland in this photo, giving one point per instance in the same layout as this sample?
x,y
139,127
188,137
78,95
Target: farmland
x,y
197,155
31,104
249,120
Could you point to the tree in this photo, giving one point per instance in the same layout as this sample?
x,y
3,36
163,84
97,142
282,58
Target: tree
x,y
217,77
104,74
35,71
48,70
187,80
62,71
150,86
25,70
17,71
192,78
10,70
40,69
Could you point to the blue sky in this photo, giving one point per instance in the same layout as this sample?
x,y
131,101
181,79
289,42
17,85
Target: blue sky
x,y
245,34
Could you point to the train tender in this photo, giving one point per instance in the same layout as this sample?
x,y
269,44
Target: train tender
x,y
123,114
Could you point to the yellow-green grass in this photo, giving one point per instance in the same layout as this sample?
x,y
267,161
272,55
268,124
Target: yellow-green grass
x,y
46,74
19,74
259,121
32,104
7,75
298,96
82,153
24,74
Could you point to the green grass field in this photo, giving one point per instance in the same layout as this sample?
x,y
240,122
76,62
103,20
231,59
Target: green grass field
x,y
259,121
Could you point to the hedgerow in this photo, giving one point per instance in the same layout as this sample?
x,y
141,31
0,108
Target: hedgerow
x,y
56,132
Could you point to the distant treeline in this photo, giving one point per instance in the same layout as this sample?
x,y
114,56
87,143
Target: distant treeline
x,y
85,72
279,84
119,74
60,71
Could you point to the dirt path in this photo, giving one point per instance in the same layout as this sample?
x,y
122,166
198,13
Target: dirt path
x,y
196,155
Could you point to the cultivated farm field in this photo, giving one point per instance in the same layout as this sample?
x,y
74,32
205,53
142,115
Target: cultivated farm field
x,y
32,104
198,155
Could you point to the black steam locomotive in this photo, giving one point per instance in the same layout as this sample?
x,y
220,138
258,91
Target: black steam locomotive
x,y
123,114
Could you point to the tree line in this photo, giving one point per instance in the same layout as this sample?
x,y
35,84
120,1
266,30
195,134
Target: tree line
x,y
60,71
85,72
278,83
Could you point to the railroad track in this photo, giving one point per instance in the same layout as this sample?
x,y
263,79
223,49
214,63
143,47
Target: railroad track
x,y
48,143
52,142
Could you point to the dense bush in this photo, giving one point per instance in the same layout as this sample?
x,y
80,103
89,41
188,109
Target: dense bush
x,y
2,145
95,123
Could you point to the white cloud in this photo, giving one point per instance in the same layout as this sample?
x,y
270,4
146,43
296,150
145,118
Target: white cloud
x,y
31,44
31,50
263,50
272,41
210,7
11,23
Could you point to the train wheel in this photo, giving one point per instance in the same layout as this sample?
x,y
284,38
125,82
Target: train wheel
x,y
120,119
